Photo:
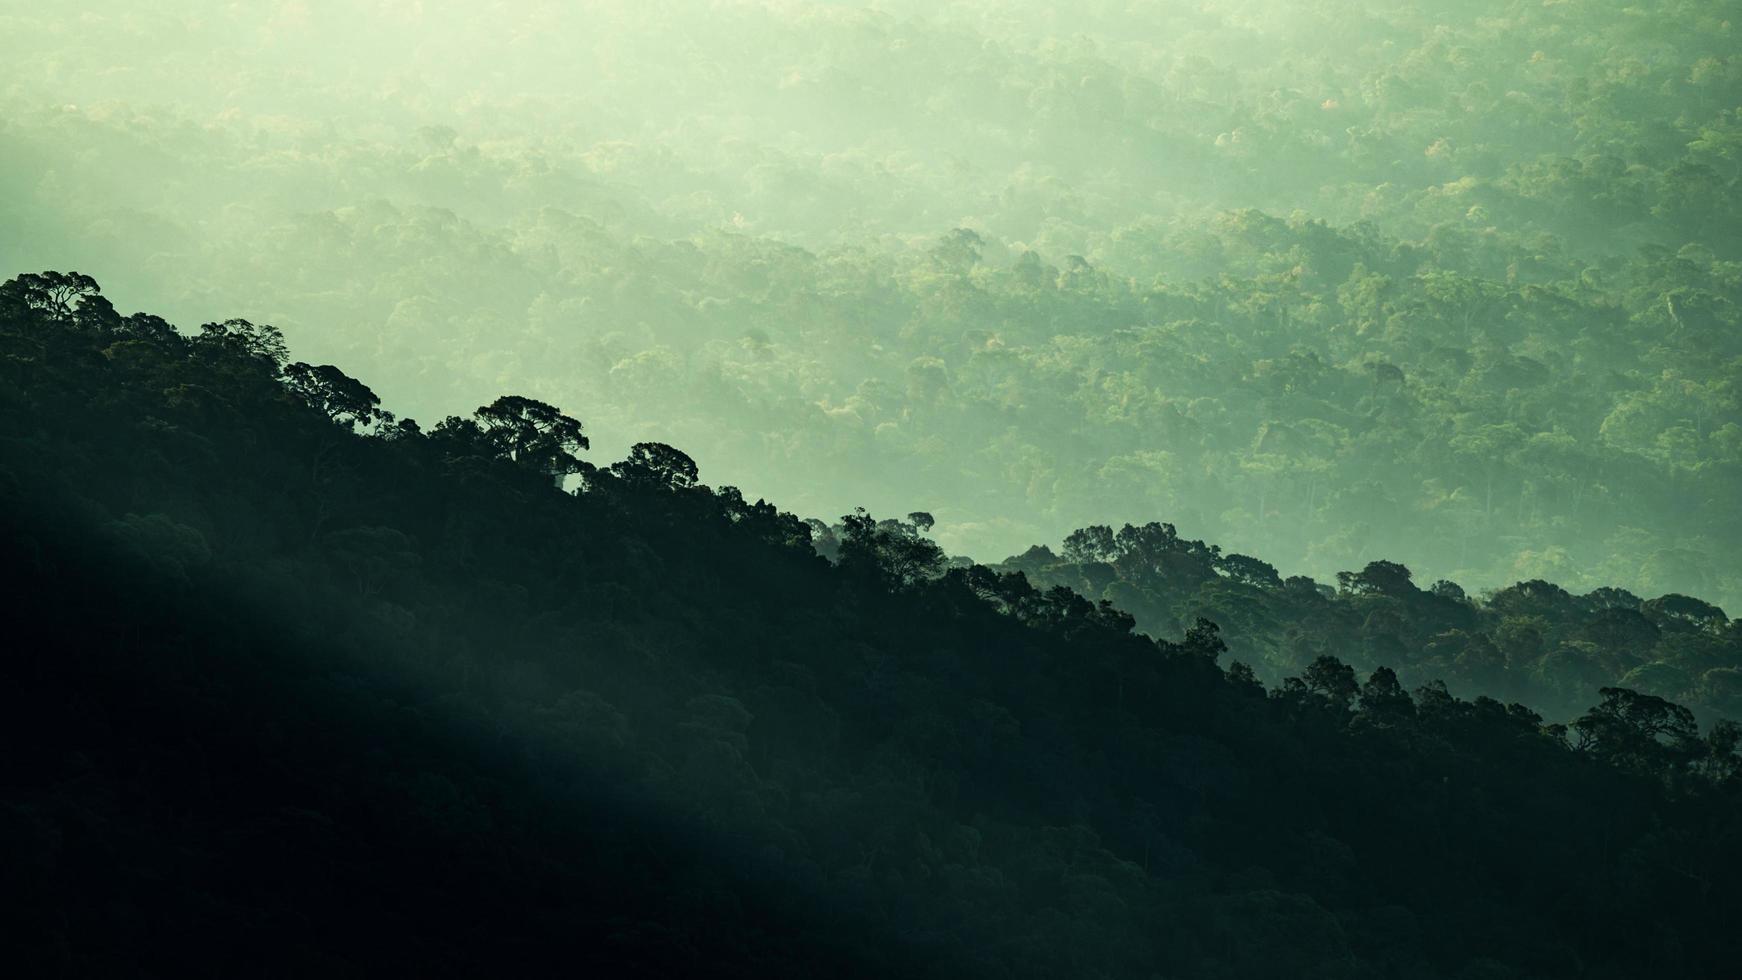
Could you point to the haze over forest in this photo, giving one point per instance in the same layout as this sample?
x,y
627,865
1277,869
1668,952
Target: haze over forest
x,y
1104,490
1451,284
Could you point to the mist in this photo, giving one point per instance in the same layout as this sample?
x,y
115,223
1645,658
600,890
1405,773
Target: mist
x,y
1453,285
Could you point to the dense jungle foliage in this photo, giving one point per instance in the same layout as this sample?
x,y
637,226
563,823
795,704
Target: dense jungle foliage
x,y
1454,285
1257,488
297,686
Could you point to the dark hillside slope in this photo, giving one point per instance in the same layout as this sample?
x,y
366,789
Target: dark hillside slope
x,y
293,697
1532,641
205,790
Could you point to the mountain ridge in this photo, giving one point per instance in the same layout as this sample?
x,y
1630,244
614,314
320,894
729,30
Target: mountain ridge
x,y
995,778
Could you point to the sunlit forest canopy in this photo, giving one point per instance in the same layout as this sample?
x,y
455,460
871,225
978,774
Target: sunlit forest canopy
x,y
1450,284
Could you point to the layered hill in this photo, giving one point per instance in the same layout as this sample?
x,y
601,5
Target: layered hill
x,y
298,686
1454,285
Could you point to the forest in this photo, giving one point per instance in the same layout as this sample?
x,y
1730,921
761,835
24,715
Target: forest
x,y
1449,284
1120,489
346,694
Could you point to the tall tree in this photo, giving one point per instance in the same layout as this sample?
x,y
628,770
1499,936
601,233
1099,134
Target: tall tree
x,y
335,394
656,466
533,434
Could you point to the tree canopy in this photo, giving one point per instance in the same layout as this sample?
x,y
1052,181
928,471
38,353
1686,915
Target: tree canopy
x,y
1462,295
374,702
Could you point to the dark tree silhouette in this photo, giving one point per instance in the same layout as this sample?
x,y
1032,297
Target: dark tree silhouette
x,y
1094,543
656,466
1638,731
244,341
335,394
54,294
893,551
1332,680
1387,578
533,434
1242,568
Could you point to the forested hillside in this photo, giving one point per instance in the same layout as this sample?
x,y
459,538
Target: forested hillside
x,y
1451,285
1532,641
300,686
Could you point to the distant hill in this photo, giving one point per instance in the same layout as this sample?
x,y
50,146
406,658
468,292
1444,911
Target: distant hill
x,y
1455,284
1532,641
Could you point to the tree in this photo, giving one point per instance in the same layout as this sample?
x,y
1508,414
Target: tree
x,y
151,328
1686,612
894,551
1089,544
244,341
533,434
95,313
1204,639
1638,731
56,295
656,466
335,394
767,522
1332,680
1532,598
1386,578
1608,597
1149,546
1252,571
1448,590
1383,698
1244,679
